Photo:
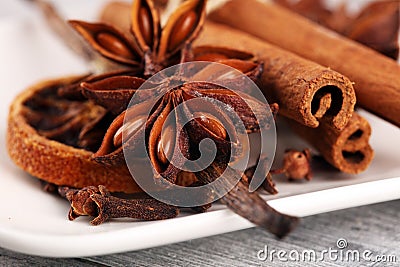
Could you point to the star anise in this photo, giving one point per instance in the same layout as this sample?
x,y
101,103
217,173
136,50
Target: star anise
x,y
179,138
147,49
208,125
150,48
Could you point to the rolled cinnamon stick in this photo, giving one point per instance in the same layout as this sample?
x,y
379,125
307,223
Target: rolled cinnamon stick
x,y
305,91
377,78
347,150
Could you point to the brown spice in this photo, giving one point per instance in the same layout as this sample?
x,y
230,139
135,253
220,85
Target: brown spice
x,y
296,165
99,203
376,77
161,147
376,26
348,150
54,161
63,120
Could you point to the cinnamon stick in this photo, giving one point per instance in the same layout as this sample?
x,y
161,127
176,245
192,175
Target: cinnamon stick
x,y
377,78
347,150
305,91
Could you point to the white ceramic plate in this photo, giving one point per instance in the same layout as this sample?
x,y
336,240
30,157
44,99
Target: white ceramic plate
x,y
35,222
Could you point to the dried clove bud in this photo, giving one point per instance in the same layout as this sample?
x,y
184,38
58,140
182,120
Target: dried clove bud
x,y
296,165
99,203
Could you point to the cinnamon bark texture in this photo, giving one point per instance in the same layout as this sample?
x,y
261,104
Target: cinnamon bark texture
x,y
377,78
347,150
305,91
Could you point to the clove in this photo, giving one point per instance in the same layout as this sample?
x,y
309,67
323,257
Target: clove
x,y
99,203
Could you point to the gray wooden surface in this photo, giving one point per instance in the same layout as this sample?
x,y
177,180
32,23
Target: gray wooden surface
x,y
375,228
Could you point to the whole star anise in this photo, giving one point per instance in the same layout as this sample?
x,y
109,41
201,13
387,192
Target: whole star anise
x,y
206,126
166,135
150,48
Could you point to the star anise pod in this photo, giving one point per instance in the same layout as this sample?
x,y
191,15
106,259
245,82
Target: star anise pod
x,y
180,138
147,49
206,126
150,48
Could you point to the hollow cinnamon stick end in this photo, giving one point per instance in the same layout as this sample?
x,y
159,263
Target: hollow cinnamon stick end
x,y
354,162
352,152
330,99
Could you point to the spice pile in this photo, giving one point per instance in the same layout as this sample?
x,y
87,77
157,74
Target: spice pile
x,y
73,127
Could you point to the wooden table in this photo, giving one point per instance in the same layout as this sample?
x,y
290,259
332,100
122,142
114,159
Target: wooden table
x,y
375,228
